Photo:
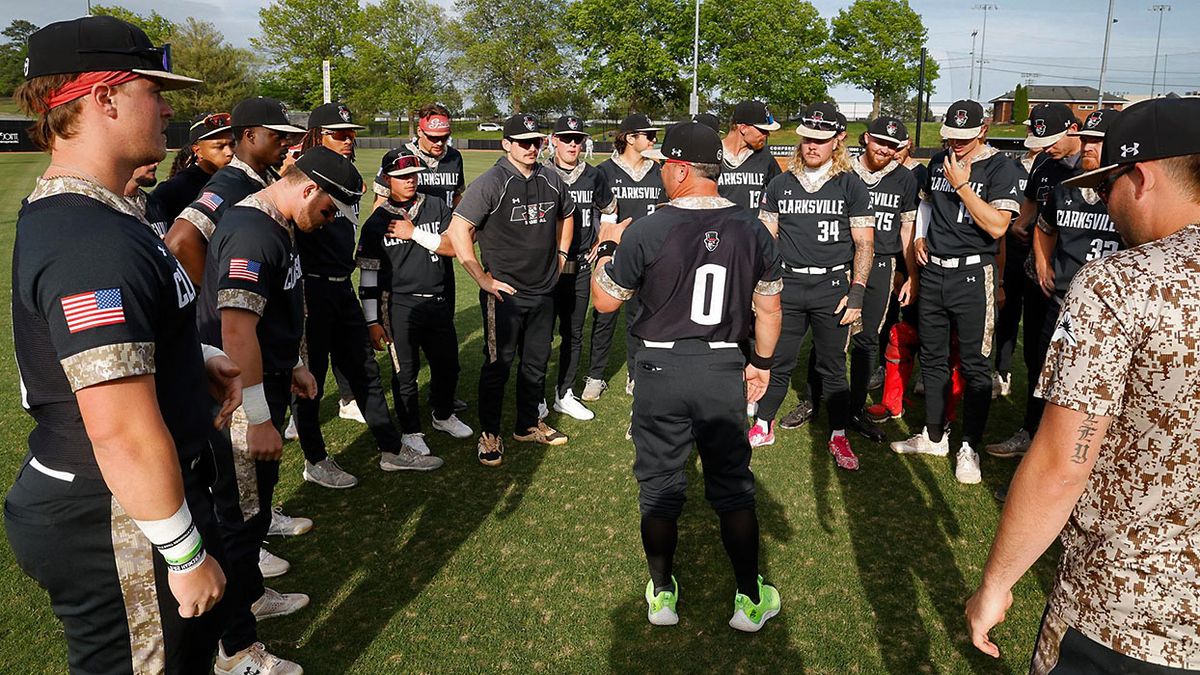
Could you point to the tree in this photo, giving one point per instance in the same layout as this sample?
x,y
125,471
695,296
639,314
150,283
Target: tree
x,y
200,51
876,45
772,50
1020,109
400,58
13,53
632,52
159,28
296,36
510,50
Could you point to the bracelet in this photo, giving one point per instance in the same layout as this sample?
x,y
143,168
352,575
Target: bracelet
x,y
176,538
254,404
564,254
761,362
606,249
960,185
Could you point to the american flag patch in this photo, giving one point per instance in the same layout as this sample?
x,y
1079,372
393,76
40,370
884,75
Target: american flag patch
x,y
93,309
211,200
241,268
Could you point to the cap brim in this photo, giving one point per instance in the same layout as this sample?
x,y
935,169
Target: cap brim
x,y
405,171
818,134
1091,178
284,128
169,81
213,132
342,125
346,210
887,139
1035,142
653,153
959,134
1088,132
529,135
571,133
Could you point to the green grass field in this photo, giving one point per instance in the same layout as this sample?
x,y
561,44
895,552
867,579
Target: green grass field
x,y
537,566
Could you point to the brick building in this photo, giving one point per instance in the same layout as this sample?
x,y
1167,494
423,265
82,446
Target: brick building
x,y
1081,100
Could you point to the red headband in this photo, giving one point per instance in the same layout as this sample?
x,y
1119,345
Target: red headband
x,y
82,85
435,124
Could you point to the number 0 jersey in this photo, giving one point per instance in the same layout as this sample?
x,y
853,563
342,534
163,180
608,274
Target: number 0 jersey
x,y
815,219
695,265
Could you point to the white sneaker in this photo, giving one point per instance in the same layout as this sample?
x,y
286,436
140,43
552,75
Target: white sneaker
x,y
327,473
569,405
287,526
629,386
453,426
349,410
1015,446
921,445
966,465
1006,384
254,659
271,565
997,385
290,432
408,460
417,443
273,604
593,388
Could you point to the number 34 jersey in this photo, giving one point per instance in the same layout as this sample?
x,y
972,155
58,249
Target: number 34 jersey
x,y
815,218
695,265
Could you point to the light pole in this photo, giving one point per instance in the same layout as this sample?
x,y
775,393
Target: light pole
x,y
971,85
1104,59
694,103
1161,9
986,7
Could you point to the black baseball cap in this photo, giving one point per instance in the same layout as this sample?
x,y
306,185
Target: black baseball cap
x,y
635,122
334,174
963,120
1048,122
709,120
1097,123
521,127
821,121
888,129
332,116
97,43
755,114
259,111
1156,129
569,125
689,142
207,125
401,162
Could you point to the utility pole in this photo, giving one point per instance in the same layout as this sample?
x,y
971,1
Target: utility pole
x,y
1161,9
1104,60
971,85
920,99
986,7
326,90
694,104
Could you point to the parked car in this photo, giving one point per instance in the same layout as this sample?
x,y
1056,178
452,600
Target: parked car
x,y
490,126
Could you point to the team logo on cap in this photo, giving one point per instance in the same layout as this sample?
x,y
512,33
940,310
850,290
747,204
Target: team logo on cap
x,y
26,73
1093,120
1131,150
572,123
1039,127
711,240
344,113
960,118
817,116
283,109
530,123
892,128
676,152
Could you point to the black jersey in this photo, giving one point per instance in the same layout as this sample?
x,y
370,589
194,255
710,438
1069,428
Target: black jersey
x,y
177,192
404,265
893,192
442,178
1080,219
921,173
252,264
592,196
233,183
516,223
815,220
153,210
98,297
329,251
1046,174
952,232
637,195
694,265
744,183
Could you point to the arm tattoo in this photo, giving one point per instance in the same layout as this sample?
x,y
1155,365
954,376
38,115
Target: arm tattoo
x,y
864,254
1087,432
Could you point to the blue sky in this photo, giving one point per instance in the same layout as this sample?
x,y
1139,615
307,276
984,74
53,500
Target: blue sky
x,y
1060,41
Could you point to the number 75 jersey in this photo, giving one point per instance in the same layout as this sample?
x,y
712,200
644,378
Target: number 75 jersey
x,y
695,264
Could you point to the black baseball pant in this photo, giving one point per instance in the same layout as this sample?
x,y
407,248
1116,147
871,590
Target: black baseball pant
x,y
809,301
422,323
1062,650
523,324
864,346
572,296
1041,318
336,330
962,300
107,584
604,325
242,492
1008,323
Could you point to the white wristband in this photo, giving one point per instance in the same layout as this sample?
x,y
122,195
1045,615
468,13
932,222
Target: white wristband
x,y
299,362
254,404
210,352
176,538
429,240
371,310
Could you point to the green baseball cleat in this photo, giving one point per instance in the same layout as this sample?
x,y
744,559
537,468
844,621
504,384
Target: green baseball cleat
x,y
661,610
748,616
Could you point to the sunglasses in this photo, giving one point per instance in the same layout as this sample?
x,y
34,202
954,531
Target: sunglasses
x,y
215,121
651,136
569,140
436,140
528,143
1104,189
341,134
405,162
820,124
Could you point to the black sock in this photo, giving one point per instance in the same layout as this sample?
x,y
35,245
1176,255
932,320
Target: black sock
x,y
739,533
935,432
659,536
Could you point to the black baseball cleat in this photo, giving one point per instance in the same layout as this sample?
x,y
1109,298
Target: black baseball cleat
x,y
866,429
799,416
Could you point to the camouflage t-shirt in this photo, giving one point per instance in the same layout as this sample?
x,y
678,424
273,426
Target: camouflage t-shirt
x,y
1127,345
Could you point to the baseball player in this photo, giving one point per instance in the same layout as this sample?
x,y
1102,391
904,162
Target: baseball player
x,y
443,176
747,163
590,191
110,511
700,264
523,217
967,203
820,211
210,148
404,258
145,177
